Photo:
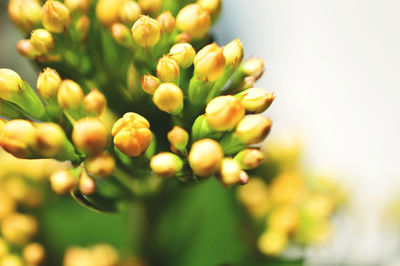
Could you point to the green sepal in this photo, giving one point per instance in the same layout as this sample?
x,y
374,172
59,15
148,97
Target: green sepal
x,y
201,129
232,144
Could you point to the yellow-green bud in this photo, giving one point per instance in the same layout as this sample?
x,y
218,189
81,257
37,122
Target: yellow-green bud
x,y
86,185
83,26
50,139
10,83
70,95
272,242
213,6
224,112
254,67
230,172
256,100
34,254
48,83
18,229
209,63
129,12
205,157
121,33
249,158
194,20
233,53
107,11
26,14
169,98
95,102
168,69
18,137
62,182
26,49
42,41
90,135
55,16
150,6
253,129
150,83
166,164
146,32
178,137
102,165
77,5
11,260
183,53
167,22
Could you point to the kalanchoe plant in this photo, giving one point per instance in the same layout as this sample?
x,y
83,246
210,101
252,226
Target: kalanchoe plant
x,y
132,93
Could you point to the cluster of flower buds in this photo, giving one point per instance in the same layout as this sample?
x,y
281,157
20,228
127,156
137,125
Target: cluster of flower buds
x,y
289,206
187,107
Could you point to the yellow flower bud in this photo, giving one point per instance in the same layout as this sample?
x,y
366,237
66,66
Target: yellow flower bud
x,y
121,33
11,260
83,26
230,172
55,16
213,6
132,134
103,254
26,49
8,206
256,100
255,196
101,166
18,228
129,12
249,158
183,53
284,219
194,20
166,164
3,247
183,38
107,11
77,5
167,69
167,22
146,32
18,137
42,41
287,188
224,112
272,242
209,63
62,182
253,129
48,83
10,83
75,256
95,102
50,139
90,135
87,185
34,254
150,83
169,98
26,14
178,137
233,53
150,6
70,95
254,67
205,157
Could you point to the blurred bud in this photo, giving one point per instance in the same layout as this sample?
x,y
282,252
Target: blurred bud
x,y
26,49
104,254
34,254
287,187
233,53
55,16
194,20
76,256
253,129
90,135
254,67
42,40
249,158
107,11
62,182
70,95
183,53
150,83
146,32
255,196
11,260
178,137
150,6
213,6
224,112
166,164
230,172
10,83
256,100
205,157
121,33
83,26
168,69
169,98
183,38
18,137
102,165
209,63
95,102
77,5
18,229
50,139
16,187
129,12
7,206
87,185
3,247
319,206
272,242
132,134
284,219
167,22
48,83
25,14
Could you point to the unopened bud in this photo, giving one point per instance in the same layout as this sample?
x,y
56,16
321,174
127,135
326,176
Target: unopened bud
x,y
194,20
50,139
77,5
166,164
150,6
168,69
48,83
213,6
42,41
253,129
224,112
55,16
26,49
11,260
87,185
101,166
284,218
167,22
121,33
95,102
62,182
70,95
209,63
103,254
107,11
83,25
183,53
34,254
8,206
90,135
230,172
272,242
129,12
18,137
254,67
150,83
233,53
10,83
256,100
169,98
249,158
26,14
178,137
205,157
132,134
146,32
18,229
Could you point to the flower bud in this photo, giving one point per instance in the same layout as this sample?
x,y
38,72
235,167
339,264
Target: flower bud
x,y
3,248
183,53
90,135
150,83
10,83
70,95
50,139
230,172
42,41
167,22
132,134
48,83
284,219
18,137
233,53
107,11
146,32
256,100
129,12
18,228
104,254
168,69
205,157
183,38
209,63
272,242
255,196
102,165
224,112
150,6
8,206
213,6
62,182
253,129
55,16
26,49
34,254
11,260
249,158
166,164
26,14
121,33
194,20
77,5
254,67
178,137
169,98
95,102
83,25
87,185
